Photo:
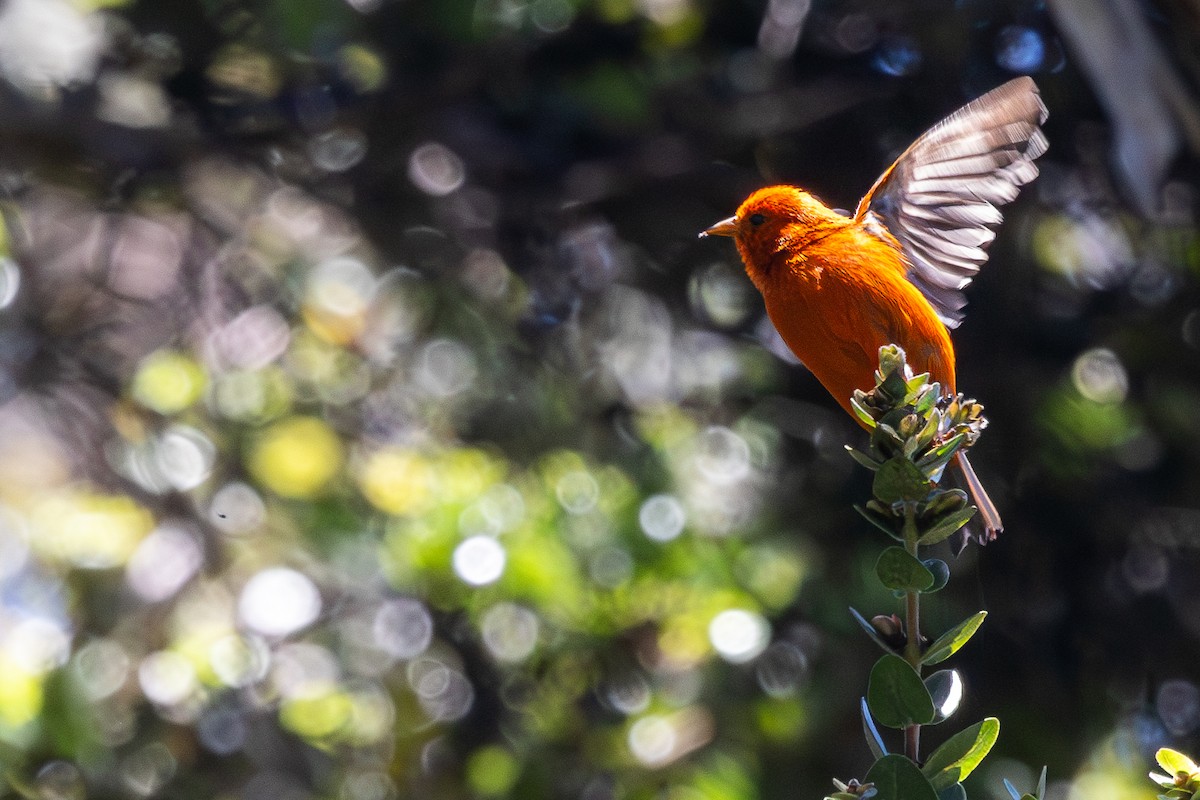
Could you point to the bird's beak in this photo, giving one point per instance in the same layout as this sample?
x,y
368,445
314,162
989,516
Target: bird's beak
x,y
726,227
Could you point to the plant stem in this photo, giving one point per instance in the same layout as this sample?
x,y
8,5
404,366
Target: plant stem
x,y
912,624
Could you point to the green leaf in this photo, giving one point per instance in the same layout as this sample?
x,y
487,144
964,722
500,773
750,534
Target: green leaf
x,y
961,753
896,695
891,357
899,479
941,502
893,386
952,640
953,792
899,570
897,778
860,411
878,520
927,400
874,740
894,419
863,458
937,458
945,527
1012,791
946,688
885,439
1041,790
916,383
925,437
870,629
940,571
1174,762
908,426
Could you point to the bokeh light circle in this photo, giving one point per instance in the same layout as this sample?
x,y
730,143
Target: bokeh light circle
x,y
652,739
403,628
479,560
510,632
236,509
1100,376
163,562
723,456
166,677
662,517
279,601
738,635
60,780
101,666
1020,49
1178,706
239,660
436,169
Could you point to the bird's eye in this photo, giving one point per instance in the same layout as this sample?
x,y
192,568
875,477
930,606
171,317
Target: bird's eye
x,y
757,219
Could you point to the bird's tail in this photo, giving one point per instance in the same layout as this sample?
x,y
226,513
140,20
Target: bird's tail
x,y
989,517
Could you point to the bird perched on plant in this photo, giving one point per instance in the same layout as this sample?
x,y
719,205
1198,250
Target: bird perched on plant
x,y
839,287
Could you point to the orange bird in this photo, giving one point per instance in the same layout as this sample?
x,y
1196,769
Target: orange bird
x,y
838,287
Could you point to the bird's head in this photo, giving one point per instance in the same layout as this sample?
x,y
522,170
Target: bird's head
x,y
774,220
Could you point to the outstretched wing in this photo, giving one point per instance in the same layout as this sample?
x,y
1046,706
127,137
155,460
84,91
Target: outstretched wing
x,y
941,198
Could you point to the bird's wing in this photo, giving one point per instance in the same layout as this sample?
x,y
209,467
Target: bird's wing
x,y
941,199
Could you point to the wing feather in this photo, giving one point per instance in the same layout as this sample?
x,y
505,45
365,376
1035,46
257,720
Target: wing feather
x,y
941,199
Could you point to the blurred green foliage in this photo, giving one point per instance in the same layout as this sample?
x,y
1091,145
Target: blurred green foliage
x,y
372,424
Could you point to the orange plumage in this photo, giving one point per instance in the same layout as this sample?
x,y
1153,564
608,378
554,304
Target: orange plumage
x,y
838,288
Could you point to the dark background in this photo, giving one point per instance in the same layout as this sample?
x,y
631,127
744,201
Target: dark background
x,y
336,286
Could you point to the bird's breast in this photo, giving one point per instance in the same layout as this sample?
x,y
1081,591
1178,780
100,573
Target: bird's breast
x,y
841,299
